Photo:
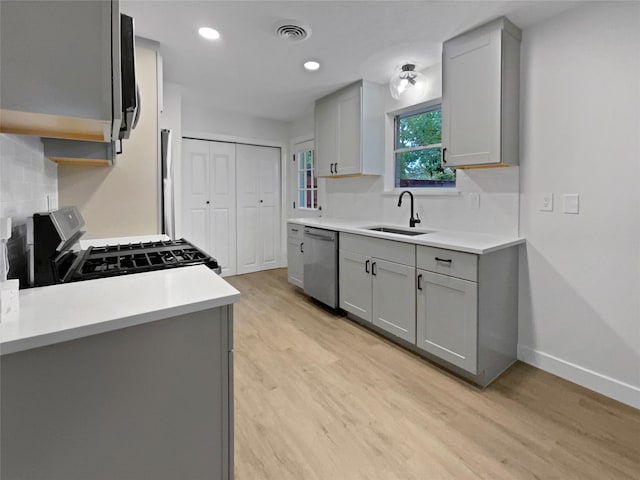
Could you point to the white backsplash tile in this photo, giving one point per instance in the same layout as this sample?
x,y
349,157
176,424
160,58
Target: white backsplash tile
x,y
28,181
362,198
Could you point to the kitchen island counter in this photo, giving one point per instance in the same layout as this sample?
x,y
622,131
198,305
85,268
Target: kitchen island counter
x,y
470,242
59,313
121,377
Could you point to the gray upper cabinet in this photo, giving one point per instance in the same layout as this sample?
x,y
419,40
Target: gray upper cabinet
x,y
349,131
480,96
60,69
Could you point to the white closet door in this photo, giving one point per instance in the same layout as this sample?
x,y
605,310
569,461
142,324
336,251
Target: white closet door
x,y
209,199
222,210
195,192
258,196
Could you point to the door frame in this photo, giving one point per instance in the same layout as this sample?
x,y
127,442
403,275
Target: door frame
x,y
284,193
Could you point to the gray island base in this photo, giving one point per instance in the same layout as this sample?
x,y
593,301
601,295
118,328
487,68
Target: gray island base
x,y
150,401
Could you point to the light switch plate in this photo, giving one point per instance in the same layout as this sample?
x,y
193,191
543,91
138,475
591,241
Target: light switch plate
x,y
546,202
571,203
474,201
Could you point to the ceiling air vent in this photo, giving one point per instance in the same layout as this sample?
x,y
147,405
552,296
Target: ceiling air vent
x,y
292,30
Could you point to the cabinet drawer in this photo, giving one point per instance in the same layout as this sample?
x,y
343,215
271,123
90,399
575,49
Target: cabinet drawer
x,y
448,262
294,231
398,252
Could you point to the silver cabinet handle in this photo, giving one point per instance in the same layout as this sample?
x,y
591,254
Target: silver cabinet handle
x,y
366,266
301,250
374,269
419,282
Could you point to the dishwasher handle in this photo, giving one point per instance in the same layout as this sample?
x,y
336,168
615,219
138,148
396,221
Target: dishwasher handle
x,y
319,237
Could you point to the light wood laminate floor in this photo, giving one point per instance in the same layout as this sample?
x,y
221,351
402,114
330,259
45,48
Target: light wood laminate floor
x,y
319,397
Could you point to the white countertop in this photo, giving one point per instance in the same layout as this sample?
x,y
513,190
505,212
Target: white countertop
x,y
470,242
101,242
69,311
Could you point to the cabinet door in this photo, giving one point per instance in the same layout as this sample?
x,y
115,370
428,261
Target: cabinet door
x,y
394,301
355,284
295,263
471,93
350,133
447,318
326,140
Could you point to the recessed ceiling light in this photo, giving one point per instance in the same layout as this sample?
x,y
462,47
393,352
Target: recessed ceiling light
x,y
209,33
311,65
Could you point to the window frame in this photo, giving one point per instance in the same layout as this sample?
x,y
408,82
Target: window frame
x,y
412,111
305,190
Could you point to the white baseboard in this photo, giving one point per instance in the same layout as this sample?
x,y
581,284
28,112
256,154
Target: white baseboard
x,y
620,391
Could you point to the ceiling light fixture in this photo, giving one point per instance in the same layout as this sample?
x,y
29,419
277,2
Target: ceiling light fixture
x,y
408,83
209,33
311,65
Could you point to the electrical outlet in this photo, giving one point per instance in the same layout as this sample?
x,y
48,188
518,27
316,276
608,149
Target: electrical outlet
x,y
571,203
546,202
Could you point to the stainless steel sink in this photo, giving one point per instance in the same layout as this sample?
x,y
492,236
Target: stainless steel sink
x,y
398,231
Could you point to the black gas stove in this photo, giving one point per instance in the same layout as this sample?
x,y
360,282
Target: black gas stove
x,y
123,259
56,261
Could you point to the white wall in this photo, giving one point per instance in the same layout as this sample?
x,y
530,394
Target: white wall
x,y
374,198
28,184
197,116
579,314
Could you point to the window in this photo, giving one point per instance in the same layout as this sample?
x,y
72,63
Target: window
x,y
307,182
418,150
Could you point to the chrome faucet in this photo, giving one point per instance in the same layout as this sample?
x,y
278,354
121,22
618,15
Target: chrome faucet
x,y
412,221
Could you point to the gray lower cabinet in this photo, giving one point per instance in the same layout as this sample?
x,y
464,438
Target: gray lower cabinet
x,y
447,318
377,283
295,260
394,303
458,309
355,284
467,310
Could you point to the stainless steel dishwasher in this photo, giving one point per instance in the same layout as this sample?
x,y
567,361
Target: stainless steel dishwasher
x,y
320,251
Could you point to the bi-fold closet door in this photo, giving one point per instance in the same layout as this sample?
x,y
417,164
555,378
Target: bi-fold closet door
x,y
231,203
209,199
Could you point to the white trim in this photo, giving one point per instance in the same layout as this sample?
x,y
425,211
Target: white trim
x,y
620,391
424,192
416,107
420,147
302,139
216,137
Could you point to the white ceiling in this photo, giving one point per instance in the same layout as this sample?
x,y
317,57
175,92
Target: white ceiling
x,y
250,70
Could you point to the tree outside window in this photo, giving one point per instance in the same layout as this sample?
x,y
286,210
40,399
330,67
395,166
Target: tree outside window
x,y
418,150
